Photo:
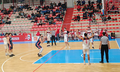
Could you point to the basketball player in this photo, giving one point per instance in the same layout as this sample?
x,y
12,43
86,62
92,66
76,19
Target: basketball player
x,y
10,45
66,38
48,37
89,33
96,33
6,44
86,45
37,44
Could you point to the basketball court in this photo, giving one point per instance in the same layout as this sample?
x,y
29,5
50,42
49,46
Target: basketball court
x,y
58,59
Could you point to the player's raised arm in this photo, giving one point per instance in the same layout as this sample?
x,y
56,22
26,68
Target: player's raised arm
x,y
91,36
78,35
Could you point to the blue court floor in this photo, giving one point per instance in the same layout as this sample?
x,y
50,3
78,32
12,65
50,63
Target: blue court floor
x,y
76,56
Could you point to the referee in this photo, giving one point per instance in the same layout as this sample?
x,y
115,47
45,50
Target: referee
x,y
53,37
104,45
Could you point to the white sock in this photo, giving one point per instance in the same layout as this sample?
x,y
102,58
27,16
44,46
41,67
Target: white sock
x,y
11,52
92,45
40,50
66,47
89,62
84,62
69,47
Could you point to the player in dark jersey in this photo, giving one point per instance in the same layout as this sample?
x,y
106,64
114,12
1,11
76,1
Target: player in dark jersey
x,y
37,44
10,45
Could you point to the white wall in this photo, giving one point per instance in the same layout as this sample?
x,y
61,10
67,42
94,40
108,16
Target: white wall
x,y
70,4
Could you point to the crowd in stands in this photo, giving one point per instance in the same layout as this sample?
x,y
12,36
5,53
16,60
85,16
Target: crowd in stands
x,y
112,6
45,14
88,10
14,34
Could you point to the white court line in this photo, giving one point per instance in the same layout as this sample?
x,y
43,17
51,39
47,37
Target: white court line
x,y
41,57
90,58
25,55
117,43
13,57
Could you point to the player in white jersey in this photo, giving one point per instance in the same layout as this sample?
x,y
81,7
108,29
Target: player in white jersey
x,y
66,38
86,45
6,44
48,37
89,33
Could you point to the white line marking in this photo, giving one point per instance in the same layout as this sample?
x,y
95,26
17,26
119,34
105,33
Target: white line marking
x,y
90,58
26,55
41,57
13,57
117,43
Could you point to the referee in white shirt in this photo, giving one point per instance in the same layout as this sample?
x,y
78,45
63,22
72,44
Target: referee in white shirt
x,y
104,46
53,37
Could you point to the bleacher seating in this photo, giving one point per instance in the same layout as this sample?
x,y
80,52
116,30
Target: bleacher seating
x,y
83,24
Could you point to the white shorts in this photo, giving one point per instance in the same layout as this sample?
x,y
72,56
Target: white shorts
x,y
86,51
65,39
6,46
91,40
48,38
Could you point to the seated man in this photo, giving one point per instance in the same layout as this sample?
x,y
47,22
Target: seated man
x,y
104,18
75,18
78,2
78,17
85,15
78,8
83,2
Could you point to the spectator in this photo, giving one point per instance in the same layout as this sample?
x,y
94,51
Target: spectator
x,y
14,34
4,20
109,18
62,13
113,7
89,2
75,18
54,4
36,20
99,1
38,33
83,2
32,15
78,17
78,8
59,4
90,20
85,15
94,20
104,18
20,33
2,34
41,22
78,2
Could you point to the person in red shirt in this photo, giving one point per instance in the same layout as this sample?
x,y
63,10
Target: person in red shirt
x,y
75,18
57,34
78,8
38,33
20,33
100,35
72,34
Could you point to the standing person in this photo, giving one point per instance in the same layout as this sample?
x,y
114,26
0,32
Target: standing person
x,y
6,43
48,37
66,38
89,33
53,37
104,45
57,34
37,44
86,45
10,45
